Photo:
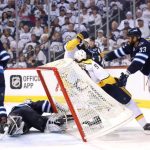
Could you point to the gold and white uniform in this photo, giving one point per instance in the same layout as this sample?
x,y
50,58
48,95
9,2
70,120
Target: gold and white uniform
x,y
71,48
97,73
108,84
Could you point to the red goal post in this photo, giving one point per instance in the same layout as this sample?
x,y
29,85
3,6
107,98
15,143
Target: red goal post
x,y
64,94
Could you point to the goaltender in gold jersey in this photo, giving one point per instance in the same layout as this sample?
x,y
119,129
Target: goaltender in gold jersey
x,y
109,84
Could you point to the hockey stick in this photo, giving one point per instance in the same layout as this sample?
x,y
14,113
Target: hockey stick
x,y
2,136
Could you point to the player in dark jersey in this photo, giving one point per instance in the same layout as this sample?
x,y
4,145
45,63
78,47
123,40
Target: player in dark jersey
x,y
139,50
4,58
29,114
93,51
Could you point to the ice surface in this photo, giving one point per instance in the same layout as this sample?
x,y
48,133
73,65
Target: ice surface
x,y
129,137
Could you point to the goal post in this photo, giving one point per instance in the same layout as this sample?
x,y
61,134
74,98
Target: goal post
x,y
68,101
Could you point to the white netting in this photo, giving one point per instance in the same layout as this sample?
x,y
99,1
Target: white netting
x,y
98,113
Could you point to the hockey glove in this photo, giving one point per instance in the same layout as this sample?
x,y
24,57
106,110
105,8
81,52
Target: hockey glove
x,y
122,80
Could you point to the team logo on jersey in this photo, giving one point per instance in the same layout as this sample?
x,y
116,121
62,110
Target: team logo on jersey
x,y
15,81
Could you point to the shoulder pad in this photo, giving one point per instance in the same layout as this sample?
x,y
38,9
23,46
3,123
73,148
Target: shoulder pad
x,y
88,61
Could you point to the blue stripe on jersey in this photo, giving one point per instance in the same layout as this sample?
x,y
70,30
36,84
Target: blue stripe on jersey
x,y
46,106
3,52
139,60
2,110
4,56
119,52
141,55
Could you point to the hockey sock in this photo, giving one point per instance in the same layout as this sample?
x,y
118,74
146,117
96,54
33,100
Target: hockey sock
x,y
137,113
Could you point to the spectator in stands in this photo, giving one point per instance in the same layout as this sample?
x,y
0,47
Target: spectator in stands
x,y
129,19
61,17
4,19
54,11
44,44
126,26
64,27
12,50
56,24
100,37
69,34
79,27
95,20
84,16
11,26
56,48
72,18
21,63
32,43
10,6
73,8
144,28
63,4
115,31
31,63
115,6
26,35
40,56
123,38
25,12
37,29
146,14
6,36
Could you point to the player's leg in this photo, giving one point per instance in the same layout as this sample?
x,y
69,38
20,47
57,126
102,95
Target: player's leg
x,y
124,97
3,115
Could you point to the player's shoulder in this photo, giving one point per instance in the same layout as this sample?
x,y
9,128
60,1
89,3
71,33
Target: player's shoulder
x,y
88,61
144,42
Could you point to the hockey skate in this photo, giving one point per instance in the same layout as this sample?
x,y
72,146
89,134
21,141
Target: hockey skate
x,y
56,123
147,128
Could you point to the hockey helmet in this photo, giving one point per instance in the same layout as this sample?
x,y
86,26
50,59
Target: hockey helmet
x,y
80,55
134,32
83,35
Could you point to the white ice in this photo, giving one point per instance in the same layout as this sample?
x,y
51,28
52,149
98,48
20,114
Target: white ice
x,y
129,137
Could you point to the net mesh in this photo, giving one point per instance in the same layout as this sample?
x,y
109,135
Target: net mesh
x,y
97,112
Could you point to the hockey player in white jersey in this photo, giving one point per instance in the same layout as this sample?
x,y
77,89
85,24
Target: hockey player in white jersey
x,y
109,84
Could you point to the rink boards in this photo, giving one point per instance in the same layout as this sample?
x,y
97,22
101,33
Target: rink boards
x,y
22,84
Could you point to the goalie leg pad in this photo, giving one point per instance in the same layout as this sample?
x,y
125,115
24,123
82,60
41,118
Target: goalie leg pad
x,y
117,93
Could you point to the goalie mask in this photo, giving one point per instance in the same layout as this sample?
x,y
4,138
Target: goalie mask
x,y
15,125
80,55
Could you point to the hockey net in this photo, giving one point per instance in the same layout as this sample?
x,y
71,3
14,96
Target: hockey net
x,y
95,113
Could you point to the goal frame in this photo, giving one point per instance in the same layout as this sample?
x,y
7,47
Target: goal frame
x,y
64,92
68,101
